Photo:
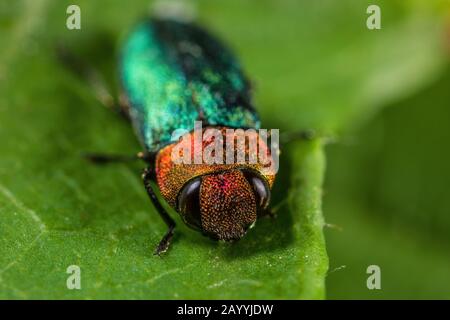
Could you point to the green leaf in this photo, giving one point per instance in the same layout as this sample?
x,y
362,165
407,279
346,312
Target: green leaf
x,y
316,61
389,191
57,210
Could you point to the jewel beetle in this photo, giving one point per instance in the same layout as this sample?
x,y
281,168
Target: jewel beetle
x,y
174,74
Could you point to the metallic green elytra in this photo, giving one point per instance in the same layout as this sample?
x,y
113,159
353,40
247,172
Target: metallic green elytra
x,y
175,73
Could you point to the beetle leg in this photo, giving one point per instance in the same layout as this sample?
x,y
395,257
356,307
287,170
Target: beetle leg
x,y
287,137
95,80
272,212
268,212
164,244
101,158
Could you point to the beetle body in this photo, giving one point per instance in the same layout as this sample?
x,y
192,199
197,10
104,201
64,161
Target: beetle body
x,y
174,74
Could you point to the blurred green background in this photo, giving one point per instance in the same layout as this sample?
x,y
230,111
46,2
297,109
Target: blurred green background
x,y
378,100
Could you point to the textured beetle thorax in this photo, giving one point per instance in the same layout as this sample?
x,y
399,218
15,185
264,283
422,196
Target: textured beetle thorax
x,y
172,176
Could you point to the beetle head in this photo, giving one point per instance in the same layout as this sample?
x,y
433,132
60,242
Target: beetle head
x,y
223,205
220,200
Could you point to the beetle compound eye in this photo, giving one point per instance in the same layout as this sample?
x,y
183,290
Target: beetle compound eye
x,y
261,189
189,203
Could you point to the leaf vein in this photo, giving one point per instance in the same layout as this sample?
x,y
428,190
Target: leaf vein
x,y
33,215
